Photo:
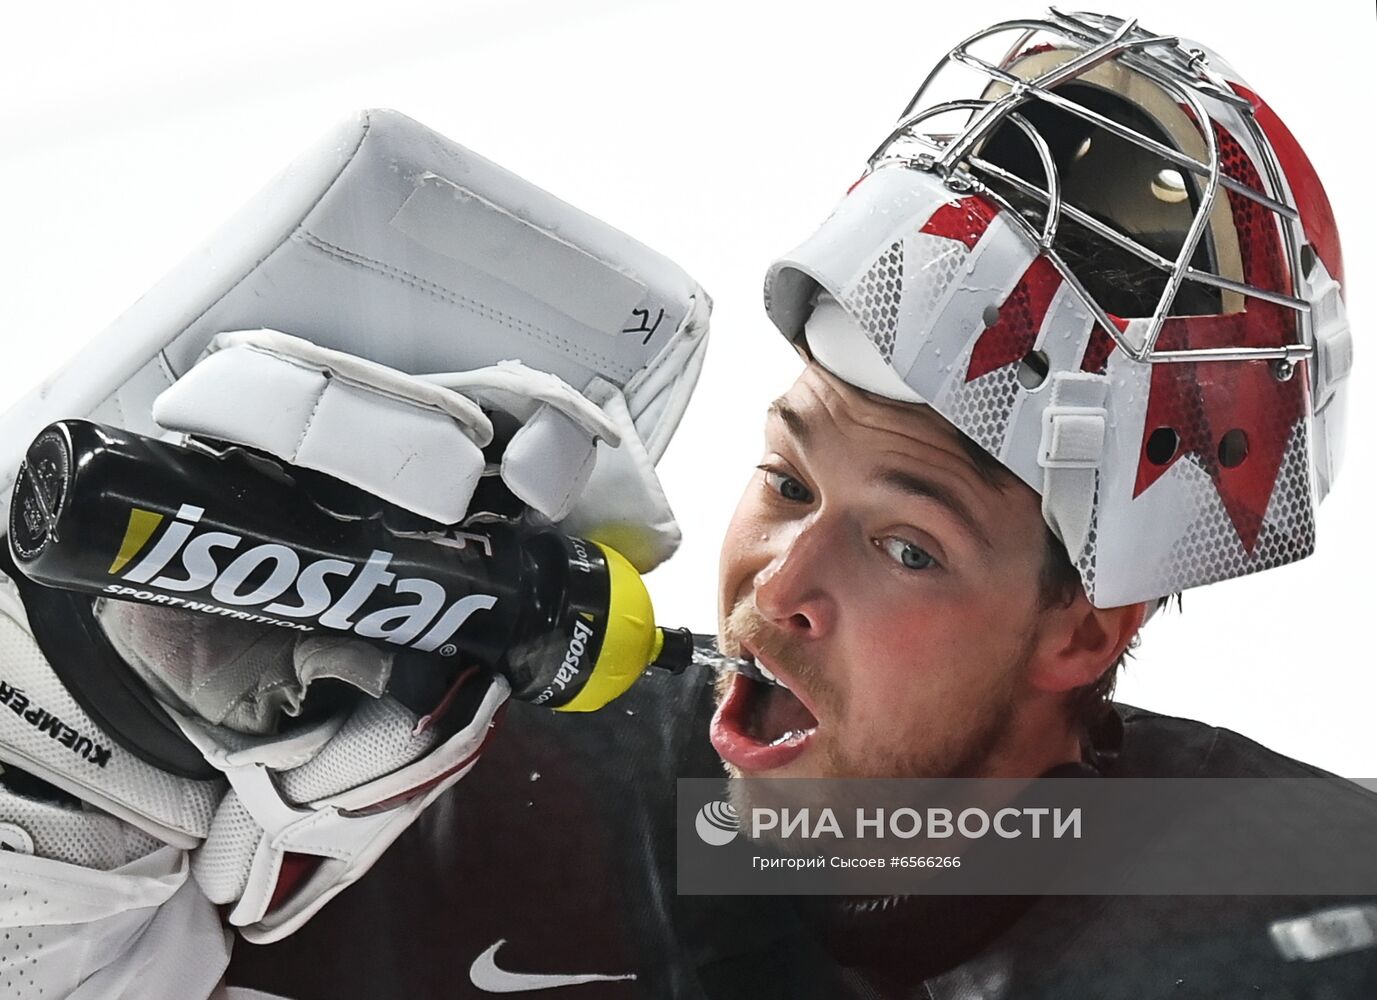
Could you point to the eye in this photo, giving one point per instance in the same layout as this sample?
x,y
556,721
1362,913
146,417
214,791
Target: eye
x,y
786,485
906,554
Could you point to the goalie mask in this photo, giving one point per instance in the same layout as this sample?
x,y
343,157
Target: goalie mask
x,y
1110,264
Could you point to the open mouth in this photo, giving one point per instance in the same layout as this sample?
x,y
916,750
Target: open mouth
x,y
759,725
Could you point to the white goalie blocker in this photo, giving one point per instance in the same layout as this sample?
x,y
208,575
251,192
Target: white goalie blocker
x,y
391,245
366,315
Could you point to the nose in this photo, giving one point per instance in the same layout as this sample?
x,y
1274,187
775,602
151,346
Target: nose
x,y
792,589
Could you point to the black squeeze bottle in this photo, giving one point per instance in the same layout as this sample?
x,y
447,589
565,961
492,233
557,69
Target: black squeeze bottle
x,y
109,512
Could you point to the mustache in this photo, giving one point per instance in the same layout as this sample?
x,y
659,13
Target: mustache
x,y
746,625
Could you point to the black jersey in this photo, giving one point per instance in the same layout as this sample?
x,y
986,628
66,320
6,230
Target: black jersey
x,y
560,845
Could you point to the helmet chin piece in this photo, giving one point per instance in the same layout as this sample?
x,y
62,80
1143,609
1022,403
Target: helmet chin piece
x,y
1116,272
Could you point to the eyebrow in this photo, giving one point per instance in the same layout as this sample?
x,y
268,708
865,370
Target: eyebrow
x,y
918,486
899,480
793,420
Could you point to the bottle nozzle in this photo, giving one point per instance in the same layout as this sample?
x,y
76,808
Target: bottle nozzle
x,y
673,649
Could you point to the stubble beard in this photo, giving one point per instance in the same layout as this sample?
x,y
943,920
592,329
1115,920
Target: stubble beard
x,y
965,753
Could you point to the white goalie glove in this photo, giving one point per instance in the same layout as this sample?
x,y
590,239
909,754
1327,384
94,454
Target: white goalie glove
x,y
575,458
410,319
321,781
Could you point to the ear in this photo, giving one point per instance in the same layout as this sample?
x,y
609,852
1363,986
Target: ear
x,y
1077,643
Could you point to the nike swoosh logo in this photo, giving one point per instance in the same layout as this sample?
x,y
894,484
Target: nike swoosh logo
x,y
485,974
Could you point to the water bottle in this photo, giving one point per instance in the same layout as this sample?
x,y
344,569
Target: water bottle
x,y
229,532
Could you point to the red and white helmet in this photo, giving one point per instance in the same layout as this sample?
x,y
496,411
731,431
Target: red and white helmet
x,y
1118,273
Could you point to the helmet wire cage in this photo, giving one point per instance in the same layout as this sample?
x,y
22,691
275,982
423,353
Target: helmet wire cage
x,y
1092,40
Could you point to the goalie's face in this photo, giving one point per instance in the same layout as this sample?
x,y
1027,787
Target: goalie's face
x,y
893,586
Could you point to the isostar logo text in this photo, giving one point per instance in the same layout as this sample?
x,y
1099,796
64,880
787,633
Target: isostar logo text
x,y
569,669
581,552
184,560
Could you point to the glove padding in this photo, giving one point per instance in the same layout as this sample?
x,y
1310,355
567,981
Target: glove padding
x,y
416,440
314,804
46,733
141,930
96,894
